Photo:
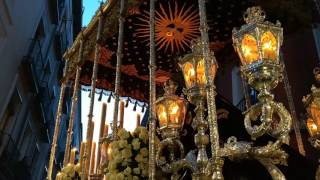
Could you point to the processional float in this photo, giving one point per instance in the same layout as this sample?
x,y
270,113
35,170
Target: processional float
x,y
258,45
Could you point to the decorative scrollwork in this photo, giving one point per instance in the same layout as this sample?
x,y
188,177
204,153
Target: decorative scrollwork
x,y
171,144
266,110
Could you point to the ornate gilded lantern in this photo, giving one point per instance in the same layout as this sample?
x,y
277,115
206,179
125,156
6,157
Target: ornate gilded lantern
x,y
258,44
312,104
171,110
193,69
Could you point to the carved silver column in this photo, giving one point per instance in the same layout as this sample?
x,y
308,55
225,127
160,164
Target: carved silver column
x,y
152,95
57,120
87,154
73,106
212,116
118,69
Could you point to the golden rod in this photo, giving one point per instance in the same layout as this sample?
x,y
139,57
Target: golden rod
x,y
118,69
101,133
212,115
57,120
93,90
152,95
73,107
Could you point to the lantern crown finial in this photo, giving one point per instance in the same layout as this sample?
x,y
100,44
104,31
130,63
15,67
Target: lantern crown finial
x,y
170,87
254,15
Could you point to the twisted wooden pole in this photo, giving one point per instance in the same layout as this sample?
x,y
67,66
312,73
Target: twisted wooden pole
x,y
73,106
87,154
152,95
118,69
57,120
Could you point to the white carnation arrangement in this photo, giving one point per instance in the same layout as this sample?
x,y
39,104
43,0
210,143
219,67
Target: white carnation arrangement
x,y
129,155
70,172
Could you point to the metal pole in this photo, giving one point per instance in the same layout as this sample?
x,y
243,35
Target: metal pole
x,y
93,90
73,106
292,108
57,120
212,115
152,95
118,70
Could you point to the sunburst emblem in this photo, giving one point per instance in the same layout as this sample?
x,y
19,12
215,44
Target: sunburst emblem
x,y
175,27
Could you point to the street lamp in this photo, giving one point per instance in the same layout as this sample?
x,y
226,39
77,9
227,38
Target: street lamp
x,y
257,44
171,110
312,105
193,69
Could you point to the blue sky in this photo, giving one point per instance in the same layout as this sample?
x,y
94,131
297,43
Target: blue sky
x,y
90,7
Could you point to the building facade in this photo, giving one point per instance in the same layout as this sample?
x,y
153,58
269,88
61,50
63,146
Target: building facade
x,y
33,36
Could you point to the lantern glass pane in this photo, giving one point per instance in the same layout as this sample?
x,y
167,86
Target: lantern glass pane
x,y
201,77
249,49
269,46
173,112
315,113
189,74
162,115
312,127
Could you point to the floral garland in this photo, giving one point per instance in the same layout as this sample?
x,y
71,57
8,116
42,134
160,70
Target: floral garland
x,y
129,155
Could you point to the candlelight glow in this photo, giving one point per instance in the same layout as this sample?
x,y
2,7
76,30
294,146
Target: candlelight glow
x,y
162,115
269,46
189,74
201,77
249,49
312,127
173,112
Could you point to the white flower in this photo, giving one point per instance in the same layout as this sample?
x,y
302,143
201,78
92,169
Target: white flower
x,y
123,143
117,158
135,178
139,158
120,176
127,171
136,171
144,152
126,153
123,134
136,144
143,136
112,176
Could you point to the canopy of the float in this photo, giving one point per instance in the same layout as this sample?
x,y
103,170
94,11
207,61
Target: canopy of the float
x,y
177,25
